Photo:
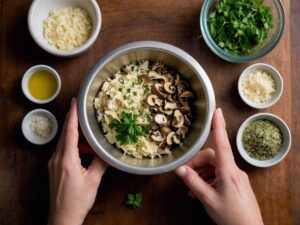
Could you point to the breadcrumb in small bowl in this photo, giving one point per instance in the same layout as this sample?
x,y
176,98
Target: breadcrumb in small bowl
x,y
39,126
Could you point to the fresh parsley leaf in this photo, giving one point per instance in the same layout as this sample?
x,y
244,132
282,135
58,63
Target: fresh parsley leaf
x,y
134,200
127,128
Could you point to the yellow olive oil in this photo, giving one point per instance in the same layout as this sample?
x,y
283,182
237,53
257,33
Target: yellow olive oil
x,y
42,85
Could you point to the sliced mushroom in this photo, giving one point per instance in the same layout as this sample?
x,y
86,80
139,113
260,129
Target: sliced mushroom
x,y
171,98
169,88
157,136
178,119
157,89
182,131
144,78
153,100
184,97
170,105
177,80
155,76
172,137
182,86
185,109
154,126
163,144
160,119
165,130
187,121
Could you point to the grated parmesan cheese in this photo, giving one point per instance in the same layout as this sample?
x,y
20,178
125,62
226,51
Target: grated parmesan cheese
x,y
259,86
41,126
67,28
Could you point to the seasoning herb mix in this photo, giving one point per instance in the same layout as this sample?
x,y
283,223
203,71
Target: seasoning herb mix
x,y
262,139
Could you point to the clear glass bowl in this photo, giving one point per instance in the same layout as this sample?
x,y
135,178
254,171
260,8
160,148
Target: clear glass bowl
x,y
273,37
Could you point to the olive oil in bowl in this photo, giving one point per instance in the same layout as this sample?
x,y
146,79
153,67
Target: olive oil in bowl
x,y
42,85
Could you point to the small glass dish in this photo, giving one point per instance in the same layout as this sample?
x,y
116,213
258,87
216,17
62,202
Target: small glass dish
x,y
273,37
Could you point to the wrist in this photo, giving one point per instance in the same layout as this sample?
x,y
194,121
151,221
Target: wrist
x,y
63,220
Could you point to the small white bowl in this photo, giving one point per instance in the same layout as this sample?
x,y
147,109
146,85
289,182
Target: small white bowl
x,y
29,135
287,140
275,74
26,77
39,11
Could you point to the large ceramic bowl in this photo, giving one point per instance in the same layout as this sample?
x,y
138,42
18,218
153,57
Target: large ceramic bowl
x,y
274,35
170,56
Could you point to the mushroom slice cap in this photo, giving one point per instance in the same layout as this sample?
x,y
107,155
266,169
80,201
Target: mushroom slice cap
x,y
170,105
157,136
169,88
153,75
172,137
184,96
187,121
160,119
178,119
182,131
177,80
144,78
182,86
153,100
157,89
165,130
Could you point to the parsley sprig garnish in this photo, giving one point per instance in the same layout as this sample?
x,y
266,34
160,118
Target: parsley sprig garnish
x,y
127,128
134,200
238,26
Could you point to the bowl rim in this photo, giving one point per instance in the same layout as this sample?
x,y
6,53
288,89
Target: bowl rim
x,y
238,58
123,49
272,161
28,74
25,128
73,52
279,83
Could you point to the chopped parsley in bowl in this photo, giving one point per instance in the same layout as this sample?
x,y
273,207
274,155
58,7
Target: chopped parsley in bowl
x,y
242,30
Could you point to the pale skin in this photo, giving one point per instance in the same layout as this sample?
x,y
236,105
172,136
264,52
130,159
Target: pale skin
x,y
212,176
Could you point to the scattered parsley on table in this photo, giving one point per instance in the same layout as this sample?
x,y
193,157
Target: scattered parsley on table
x,y
134,200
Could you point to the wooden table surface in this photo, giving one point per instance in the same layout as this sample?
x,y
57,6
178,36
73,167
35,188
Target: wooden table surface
x,y
23,167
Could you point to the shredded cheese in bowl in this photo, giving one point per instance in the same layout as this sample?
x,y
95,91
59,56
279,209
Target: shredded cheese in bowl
x,y
259,86
67,28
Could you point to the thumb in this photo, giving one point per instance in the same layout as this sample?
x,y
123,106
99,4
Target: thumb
x,y
195,183
97,168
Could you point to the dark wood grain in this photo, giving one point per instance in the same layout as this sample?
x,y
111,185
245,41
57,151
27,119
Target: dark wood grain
x,y
23,167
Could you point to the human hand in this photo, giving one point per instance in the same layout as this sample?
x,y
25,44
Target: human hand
x,y
73,188
214,178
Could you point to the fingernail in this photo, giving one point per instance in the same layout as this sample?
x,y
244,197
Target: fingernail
x,y
73,101
181,171
220,112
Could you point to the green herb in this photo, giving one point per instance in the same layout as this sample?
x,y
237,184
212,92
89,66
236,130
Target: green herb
x,y
146,90
127,128
262,139
238,26
134,200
